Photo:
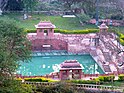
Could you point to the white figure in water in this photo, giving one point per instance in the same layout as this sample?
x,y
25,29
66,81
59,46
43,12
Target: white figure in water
x,y
44,65
48,67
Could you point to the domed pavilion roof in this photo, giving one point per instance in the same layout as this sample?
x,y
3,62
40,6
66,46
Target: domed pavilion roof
x,y
103,26
70,64
45,24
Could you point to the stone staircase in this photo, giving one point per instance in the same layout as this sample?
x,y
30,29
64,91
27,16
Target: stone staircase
x,y
113,51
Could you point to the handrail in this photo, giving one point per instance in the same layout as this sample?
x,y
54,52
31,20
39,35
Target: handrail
x,y
79,86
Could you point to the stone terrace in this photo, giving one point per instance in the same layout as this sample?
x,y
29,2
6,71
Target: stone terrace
x,y
102,46
105,54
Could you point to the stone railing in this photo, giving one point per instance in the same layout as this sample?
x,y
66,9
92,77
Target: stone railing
x,y
41,83
98,87
80,86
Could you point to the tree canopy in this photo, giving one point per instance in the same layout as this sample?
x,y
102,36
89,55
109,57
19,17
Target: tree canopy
x,y
17,5
29,4
14,47
69,3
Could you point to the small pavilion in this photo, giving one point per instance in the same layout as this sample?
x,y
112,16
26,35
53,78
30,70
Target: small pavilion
x,y
44,39
45,26
103,27
70,69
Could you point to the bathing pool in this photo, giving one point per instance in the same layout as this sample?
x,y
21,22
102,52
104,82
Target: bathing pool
x,y
41,65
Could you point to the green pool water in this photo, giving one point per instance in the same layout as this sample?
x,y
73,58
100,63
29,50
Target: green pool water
x,y
44,65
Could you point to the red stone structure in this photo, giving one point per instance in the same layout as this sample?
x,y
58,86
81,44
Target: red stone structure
x,y
44,40
70,69
103,27
45,26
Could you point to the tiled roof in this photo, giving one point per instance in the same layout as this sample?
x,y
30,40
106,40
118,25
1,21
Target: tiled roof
x,y
45,24
103,26
70,64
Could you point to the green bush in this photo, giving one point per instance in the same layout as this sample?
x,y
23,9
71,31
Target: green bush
x,y
122,41
57,30
121,77
86,31
120,36
61,87
84,81
101,78
35,80
30,30
106,78
26,88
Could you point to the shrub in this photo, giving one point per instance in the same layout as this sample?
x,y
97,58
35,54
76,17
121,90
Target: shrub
x,y
122,41
33,79
57,30
121,77
101,78
61,87
109,78
27,88
84,81
18,79
97,81
86,31
119,34
117,17
106,78
30,30
122,36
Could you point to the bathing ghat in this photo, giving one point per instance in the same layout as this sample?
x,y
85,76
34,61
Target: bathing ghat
x,y
102,46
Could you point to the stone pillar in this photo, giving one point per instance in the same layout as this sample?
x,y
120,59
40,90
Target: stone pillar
x,y
48,31
40,32
60,75
52,32
80,73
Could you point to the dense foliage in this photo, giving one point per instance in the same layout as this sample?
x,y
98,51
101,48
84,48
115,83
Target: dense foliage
x,y
14,47
99,80
120,35
121,77
121,38
61,87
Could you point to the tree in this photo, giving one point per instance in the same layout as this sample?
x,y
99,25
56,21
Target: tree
x,y
29,5
3,4
88,6
14,47
14,5
69,3
11,5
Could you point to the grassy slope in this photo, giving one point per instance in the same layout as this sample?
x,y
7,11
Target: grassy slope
x,y
62,23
